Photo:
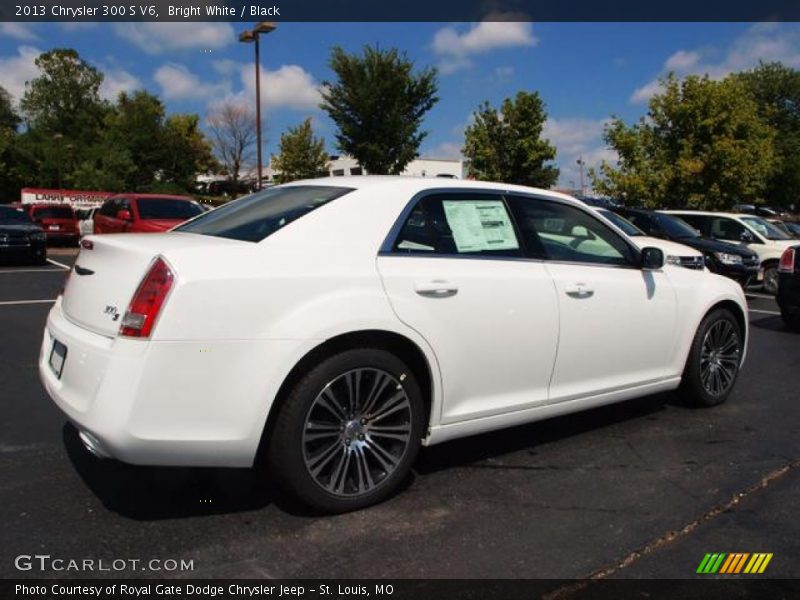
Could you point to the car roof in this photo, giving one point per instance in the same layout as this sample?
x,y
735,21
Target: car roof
x,y
413,185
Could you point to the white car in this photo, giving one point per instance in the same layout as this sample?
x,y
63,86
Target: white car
x,y
760,236
335,325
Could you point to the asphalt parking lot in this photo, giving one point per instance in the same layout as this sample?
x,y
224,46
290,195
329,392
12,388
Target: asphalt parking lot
x,y
639,490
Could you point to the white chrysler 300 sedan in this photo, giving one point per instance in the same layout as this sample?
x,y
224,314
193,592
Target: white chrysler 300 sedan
x,y
333,326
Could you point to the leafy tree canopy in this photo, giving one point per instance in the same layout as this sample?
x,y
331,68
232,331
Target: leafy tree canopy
x,y
301,156
507,145
378,103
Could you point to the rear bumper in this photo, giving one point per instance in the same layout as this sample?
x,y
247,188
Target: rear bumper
x,y
178,403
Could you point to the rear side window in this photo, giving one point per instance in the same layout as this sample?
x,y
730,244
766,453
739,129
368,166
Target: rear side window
x,y
167,208
255,217
53,212
459,224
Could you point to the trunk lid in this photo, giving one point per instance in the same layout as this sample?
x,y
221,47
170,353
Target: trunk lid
x,y
105,278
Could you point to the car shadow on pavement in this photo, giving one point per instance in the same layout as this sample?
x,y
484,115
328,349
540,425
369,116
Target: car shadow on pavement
x,y
772,324
153,493
527,437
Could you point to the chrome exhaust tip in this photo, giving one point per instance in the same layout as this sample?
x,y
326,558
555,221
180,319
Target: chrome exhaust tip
x,y
92,444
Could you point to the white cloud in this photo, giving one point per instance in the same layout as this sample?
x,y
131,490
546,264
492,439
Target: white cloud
x,y
155,38
445,150
762,42
178,83
455,47
576,138
16,70
290,86
116,81
18,31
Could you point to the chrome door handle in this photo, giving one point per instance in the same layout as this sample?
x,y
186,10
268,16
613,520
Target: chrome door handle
x,y
579,290
436,289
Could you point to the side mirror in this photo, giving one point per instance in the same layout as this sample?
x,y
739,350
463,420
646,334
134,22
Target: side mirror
x,y
747,237
124,215
652,259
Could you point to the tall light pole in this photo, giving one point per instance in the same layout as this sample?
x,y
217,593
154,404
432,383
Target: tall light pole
x,y
251,35
581,164
57,138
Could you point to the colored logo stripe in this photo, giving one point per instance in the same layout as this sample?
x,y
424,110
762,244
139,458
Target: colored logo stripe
x,y
758,563
734,563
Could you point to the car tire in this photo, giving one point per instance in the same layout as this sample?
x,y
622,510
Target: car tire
x,y
771,280
714,360
337,445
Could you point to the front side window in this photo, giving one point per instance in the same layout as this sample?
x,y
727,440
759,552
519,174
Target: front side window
x,y
556,231
765,229
459,224
257,216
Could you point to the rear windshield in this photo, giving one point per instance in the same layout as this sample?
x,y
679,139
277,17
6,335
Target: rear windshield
x,y
53,212
167,208
255,217
14,215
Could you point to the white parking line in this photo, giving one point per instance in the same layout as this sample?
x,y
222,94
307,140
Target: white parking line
x,y
18,302
58,264
767,296
766,312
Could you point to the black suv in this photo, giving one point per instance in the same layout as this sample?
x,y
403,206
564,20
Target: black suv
x,y
21,238
730,260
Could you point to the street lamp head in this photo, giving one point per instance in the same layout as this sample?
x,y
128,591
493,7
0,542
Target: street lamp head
x,y
247,36
265,27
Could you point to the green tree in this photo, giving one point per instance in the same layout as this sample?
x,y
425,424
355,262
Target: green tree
x,y
507,145
701,145
136,124
378,103
9,119
187,151
302,155
776,89
65,98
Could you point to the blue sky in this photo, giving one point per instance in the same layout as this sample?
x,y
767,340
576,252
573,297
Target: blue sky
x,y
584,72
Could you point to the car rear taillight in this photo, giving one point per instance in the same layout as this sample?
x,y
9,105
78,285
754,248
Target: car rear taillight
x,y
143,310
787,261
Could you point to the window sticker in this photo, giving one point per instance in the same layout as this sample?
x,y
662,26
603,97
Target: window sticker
x,y
479,225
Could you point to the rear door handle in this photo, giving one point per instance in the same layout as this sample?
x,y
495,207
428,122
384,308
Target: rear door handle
x,y
579,290
436,289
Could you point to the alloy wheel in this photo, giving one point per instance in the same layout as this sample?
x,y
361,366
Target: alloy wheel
x,y
357,431
719,357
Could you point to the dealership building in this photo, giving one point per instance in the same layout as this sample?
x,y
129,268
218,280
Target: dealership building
x,y
341,165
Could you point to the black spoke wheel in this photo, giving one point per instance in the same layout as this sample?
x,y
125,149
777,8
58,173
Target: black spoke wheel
x,y
348,432
714,359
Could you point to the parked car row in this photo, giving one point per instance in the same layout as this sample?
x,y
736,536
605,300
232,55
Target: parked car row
x,y
742,246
